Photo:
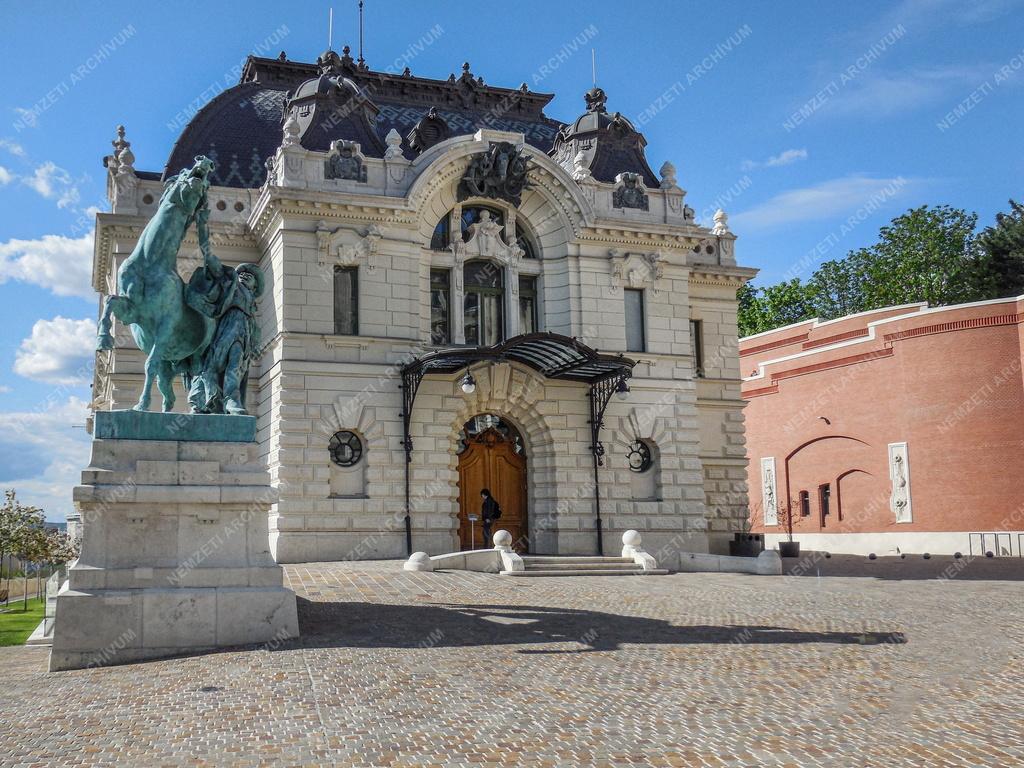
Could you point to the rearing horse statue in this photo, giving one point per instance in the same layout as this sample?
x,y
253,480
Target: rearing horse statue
x,y
151,294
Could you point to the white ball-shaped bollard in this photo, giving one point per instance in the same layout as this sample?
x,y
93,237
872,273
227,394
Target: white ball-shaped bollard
x,y
631,538
502,539
418,561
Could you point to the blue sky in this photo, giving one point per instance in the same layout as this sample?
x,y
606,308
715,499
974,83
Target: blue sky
x,y
811,123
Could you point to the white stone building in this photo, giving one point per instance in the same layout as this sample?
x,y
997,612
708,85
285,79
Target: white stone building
x,y
346,186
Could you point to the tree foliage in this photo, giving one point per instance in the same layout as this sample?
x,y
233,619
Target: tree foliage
x,y
928,254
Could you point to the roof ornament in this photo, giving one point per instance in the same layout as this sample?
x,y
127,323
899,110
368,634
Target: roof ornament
x,y
668,176
629,192
121,179
291,131
430,130
394,142
721,223
596,99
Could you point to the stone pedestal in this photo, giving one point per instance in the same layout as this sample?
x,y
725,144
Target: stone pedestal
x,y
175,550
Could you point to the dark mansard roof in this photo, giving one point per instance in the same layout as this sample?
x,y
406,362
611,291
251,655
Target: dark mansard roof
x,y
339,98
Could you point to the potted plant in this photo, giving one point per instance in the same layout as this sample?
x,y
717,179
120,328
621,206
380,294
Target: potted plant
x,y
788,548
744,543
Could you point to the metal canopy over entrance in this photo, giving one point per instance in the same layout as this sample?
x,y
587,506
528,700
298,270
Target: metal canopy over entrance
x,y
553,356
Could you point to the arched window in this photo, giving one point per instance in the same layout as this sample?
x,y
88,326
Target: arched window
x,y
483,318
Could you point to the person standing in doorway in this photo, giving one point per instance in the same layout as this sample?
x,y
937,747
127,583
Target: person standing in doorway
x,y
489,512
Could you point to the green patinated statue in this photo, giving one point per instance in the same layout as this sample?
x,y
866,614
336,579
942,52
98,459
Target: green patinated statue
x,y
229,297
207,331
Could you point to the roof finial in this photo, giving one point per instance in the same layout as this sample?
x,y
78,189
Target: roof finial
x,y
330,29
593,66
361,60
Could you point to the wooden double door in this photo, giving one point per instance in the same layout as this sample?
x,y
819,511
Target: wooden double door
x,y
491,461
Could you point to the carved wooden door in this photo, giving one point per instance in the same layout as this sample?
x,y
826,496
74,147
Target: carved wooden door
x,y
490,461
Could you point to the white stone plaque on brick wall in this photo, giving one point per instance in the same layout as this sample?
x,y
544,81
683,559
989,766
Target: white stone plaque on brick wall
x,y
899,476
769,496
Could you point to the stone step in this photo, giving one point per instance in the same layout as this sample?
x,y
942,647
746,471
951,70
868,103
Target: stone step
x,y
637,571
570,560
613,566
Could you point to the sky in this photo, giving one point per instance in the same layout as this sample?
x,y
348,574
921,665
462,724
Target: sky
x,y
811,124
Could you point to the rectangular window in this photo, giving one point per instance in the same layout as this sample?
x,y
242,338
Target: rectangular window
x,y
824,500
805,504
346,301
697,345
527,304
634,320
440,306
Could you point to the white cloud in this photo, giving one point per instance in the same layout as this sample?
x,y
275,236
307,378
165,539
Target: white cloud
x,y
821,201
877,94
783,158
61,264
54,183
13,147
59,351
925,14
6,177
43,451
4,389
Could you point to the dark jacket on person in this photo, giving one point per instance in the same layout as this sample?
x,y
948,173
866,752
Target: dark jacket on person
x,y
490,509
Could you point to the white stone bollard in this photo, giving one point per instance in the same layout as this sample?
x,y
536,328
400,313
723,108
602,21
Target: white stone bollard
x,y
418,561
510,560
502,540
631,547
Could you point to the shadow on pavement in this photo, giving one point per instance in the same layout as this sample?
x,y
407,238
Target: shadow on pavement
x,y
911,567
375,625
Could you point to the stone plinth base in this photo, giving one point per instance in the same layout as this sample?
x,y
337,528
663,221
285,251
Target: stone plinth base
x,y
175,555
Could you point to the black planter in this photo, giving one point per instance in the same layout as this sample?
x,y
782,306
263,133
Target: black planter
x,y
789,549
746,545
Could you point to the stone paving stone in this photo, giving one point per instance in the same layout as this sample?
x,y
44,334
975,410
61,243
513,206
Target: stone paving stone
x,y
855,667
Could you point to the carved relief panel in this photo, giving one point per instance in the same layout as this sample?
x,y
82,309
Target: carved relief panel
x,y
899,476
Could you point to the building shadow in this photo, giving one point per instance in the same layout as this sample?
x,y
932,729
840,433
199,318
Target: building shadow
x,y
908,568
440,625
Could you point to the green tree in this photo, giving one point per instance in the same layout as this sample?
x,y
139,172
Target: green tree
x,y
837,287
1003,246
762,309
927,254
17,523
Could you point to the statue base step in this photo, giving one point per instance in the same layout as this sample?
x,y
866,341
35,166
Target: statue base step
x,y
154,425
175,555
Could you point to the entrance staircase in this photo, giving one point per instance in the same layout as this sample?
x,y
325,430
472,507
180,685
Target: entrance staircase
x,y
553,565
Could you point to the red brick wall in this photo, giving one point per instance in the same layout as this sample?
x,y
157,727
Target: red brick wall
x,y
948,383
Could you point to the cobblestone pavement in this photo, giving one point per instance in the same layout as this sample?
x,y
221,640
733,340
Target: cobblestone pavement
x,y
466,669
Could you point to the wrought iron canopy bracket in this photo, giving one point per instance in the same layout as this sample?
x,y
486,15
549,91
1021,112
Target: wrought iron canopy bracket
x,y
601,392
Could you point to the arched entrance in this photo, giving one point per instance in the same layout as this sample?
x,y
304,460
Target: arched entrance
x,y
492,455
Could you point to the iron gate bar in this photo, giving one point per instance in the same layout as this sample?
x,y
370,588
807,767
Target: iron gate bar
x,y
552,355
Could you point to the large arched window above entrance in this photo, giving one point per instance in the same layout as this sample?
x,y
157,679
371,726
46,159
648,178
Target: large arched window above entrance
x,y
442,239
483,303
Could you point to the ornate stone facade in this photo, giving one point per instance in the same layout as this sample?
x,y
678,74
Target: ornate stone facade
x,y
564,237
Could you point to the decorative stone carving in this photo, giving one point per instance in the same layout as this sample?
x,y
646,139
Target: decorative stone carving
x,y
122,183
498,173
394,142
487,241
629,192
899,476
291,131
331,254
345,162
430,130
636,269
580,169
668,176
769,492
721,223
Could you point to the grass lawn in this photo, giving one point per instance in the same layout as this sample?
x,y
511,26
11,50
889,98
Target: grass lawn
x,y
16,625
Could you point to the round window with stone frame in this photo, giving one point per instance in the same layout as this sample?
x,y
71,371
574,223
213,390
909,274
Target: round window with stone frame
x,y
346,448
639,457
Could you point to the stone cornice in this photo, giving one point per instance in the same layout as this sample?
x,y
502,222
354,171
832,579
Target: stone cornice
x,y
720,275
